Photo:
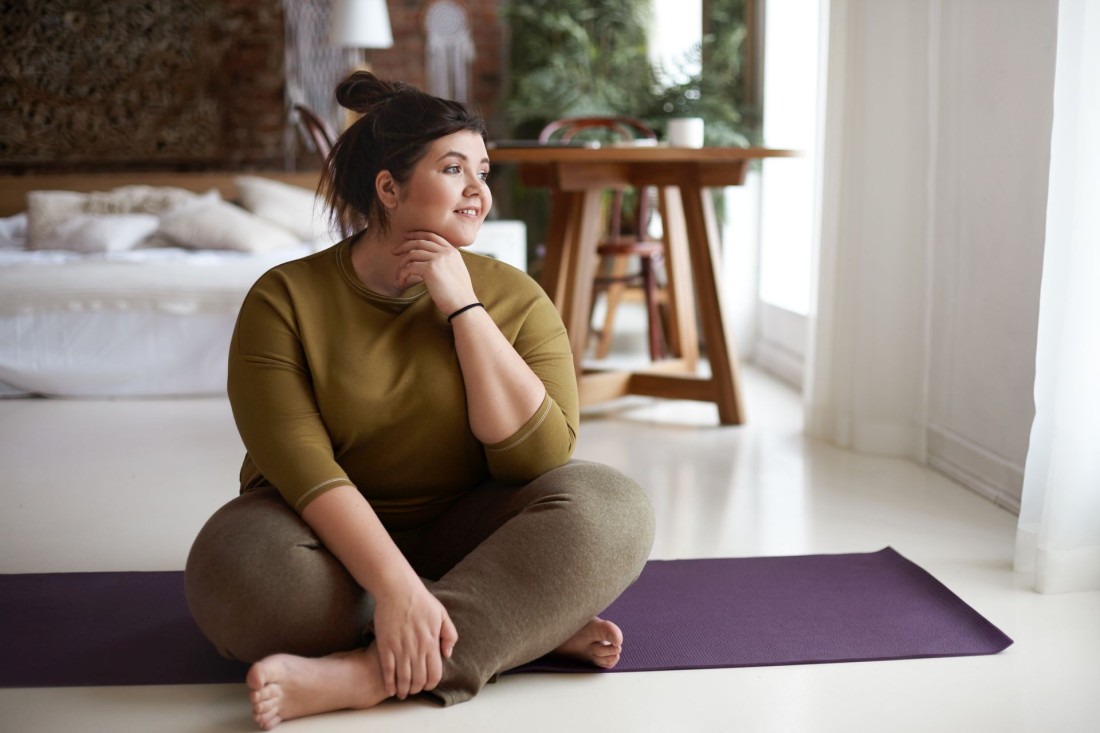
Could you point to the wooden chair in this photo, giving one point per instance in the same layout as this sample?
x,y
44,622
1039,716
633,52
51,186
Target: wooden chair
x,y
315,129
625,238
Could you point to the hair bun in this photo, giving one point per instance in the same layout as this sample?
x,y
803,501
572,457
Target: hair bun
x,y
363,91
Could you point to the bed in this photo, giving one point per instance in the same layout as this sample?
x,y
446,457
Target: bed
x,y
128,285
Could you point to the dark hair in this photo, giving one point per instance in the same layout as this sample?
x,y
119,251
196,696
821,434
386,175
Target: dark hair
x,y
398,124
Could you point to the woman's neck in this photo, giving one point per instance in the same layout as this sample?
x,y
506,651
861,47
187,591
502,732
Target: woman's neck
x,y
375,264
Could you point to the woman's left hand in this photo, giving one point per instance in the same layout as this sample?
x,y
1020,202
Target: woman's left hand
x,y
429,258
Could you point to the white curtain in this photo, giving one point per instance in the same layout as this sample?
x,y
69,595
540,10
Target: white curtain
x,y
1059,531
865,377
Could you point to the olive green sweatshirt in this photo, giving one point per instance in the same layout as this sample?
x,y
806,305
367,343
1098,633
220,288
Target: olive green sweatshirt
x,y
332,384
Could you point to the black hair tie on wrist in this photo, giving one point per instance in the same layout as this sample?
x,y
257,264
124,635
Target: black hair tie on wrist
x,y
463,309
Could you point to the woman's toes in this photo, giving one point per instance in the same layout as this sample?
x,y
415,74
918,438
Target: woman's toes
x,y
265,707
267,722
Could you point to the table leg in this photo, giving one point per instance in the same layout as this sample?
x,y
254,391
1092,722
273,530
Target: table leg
x,y
702,230
681,298
570,265
564,206
585,238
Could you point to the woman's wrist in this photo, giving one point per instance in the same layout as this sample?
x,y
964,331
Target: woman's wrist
x,y
395,582
459,311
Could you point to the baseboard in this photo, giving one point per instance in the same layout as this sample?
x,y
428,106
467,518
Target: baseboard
x,y
779,361
975,467
781,343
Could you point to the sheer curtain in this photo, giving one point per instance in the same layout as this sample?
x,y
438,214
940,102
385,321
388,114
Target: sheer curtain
x,y
865,375
1059,531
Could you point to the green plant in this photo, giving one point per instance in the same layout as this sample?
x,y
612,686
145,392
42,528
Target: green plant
x,y
576,57
590,57
571,58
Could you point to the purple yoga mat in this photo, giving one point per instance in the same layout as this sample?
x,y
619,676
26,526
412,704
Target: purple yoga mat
x,y
806,609
68,629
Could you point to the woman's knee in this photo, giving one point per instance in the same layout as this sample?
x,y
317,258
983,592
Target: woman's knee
x,y
258,581
614,508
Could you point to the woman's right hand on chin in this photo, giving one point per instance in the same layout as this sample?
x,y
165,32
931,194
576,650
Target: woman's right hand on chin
x,y
413,633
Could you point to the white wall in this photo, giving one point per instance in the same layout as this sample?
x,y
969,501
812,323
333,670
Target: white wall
x,y
936,151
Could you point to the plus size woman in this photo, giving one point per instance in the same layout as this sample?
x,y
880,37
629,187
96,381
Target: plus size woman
x,y
410,520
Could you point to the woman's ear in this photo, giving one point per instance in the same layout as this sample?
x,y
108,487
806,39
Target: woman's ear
x,y
387,189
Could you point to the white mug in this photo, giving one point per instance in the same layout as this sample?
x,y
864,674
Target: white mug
x,y
686,132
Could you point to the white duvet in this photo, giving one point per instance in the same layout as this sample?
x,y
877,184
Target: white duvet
x,y
153,322
145,322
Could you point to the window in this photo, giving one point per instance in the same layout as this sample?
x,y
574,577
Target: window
x,y
791,61
677,28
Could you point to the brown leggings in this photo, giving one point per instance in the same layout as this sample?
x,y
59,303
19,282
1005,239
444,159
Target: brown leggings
x,y
519,569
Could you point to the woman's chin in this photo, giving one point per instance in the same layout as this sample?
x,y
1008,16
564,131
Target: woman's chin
x,y
465,238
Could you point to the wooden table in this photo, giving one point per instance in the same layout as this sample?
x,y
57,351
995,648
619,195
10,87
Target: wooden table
x,y
577,178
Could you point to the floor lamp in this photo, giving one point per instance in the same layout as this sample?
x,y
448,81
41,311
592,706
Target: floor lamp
x,y
360,25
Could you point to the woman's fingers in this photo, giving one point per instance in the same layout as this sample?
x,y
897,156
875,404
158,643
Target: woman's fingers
x,y
420,671
404,677
433,671
418,666
443,647
427,236
424,241
389,670
440,267
411,270
448,636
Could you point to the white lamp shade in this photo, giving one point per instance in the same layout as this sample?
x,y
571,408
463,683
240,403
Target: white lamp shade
x,y
361,24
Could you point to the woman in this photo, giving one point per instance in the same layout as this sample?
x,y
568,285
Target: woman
x,y
409,519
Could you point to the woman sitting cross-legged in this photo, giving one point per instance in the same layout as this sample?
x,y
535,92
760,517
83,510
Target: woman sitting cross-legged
x,y
409,520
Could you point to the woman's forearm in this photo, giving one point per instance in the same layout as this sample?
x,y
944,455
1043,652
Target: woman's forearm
x,y
349,529
502,392
412,629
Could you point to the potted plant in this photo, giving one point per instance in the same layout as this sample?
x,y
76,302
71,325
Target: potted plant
x,y
700,102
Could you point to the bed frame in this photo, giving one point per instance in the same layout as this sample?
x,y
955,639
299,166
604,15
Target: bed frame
x,y
13,189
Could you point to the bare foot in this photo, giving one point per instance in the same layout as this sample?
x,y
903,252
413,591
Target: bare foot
x,y
285,686
599,642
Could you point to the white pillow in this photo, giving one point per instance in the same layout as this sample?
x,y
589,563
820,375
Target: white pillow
x,y
13,231
46,210
90,233
294,208
140,199
211,223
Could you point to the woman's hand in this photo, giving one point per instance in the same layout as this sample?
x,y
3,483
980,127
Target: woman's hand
x,y
413,633
412,630
428,258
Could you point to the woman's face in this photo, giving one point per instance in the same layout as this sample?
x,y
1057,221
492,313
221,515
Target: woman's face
x,y
447,193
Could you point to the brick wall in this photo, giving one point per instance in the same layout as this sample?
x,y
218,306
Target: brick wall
x,y
141,83
177,84
406,60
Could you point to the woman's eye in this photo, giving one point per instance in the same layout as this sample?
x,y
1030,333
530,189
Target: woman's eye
x,y
483,175
452,169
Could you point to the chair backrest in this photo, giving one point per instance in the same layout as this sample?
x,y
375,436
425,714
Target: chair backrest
x,y
622,128
617,128
315,128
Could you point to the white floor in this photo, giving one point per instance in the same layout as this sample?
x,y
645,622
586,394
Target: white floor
x,y
125,485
